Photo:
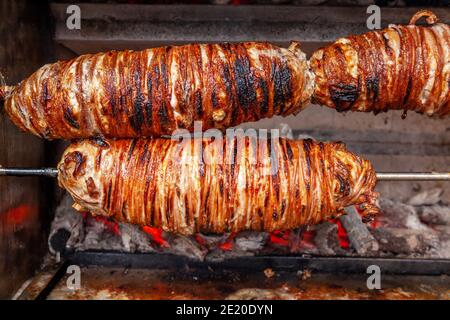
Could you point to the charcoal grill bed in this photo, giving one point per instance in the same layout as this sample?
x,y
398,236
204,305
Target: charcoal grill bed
x,y
44,283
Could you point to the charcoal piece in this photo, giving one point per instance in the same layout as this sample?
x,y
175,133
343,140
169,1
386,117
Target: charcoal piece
x,y
99,237
427,197
324,233
298,245
58,240
437,214
404,241
185,246
359,236
443,231
211,241
134,239
250,240
443,250
399,215
67,228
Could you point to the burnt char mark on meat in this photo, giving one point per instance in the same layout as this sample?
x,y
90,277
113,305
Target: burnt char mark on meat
x,y
227,78
269,148
274,168
148,112
408,91
162,114
130,151
186,210
122,101
92,188
264,105
244,82
234,116
198,104
283,207
111,87
80,163
143,155
108,196
234,159
45,93
275,215
112,97
344,187
149,103
214,101
289,152
344,95
307,148
164,71
282,85
221,186
137,118
68,115
372,85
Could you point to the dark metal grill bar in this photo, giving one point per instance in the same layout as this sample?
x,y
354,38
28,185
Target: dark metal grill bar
x,y
409,266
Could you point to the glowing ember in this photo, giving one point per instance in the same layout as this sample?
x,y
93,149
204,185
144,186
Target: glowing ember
x,y
375,223
200,240
156,234
18,215
228,244
280,238
109,224
308,239
341,234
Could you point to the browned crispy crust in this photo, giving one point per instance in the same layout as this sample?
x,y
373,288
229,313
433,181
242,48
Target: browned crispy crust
x,y
400,67
155,91
164,183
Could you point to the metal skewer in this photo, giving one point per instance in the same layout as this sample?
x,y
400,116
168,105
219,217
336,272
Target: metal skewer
x,y
413,176
29,172
381,176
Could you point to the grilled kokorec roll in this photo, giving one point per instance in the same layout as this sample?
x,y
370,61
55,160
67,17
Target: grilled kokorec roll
x,y
401,67
153,92
234,184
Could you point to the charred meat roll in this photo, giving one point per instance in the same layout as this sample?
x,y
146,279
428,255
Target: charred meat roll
x,y
156,91
221,185
401,67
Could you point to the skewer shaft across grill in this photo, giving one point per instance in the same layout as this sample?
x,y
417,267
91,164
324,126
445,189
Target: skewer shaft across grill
x,y
29,172
381,176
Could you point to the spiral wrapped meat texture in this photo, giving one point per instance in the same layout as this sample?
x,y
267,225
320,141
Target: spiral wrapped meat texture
x,y
221,185
401,67
156,91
